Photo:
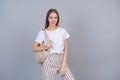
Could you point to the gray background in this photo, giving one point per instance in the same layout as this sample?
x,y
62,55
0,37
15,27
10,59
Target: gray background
x,y
94,27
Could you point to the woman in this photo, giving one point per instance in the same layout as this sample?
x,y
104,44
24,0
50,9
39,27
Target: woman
x,y
58,46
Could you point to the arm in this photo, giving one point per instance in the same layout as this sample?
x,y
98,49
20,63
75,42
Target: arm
x,y
36,47
64,60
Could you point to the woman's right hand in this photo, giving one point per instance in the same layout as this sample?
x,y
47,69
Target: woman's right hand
x,y
49,44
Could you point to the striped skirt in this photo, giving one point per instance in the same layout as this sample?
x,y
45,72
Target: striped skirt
x,y
51,66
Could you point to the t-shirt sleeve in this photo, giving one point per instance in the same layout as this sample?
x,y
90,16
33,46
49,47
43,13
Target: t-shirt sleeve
x,y
40,37
66,34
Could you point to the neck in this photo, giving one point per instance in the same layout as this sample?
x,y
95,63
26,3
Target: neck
x,y
52,27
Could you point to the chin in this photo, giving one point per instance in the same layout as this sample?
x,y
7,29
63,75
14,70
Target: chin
x,y
53,24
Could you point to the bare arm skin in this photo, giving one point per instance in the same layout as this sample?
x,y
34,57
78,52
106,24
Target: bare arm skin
x,y
37,47
64,60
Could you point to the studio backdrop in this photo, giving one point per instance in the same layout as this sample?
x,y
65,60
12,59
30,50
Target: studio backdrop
x,y
94,43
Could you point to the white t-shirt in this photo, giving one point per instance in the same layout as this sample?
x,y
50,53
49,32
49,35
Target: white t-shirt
x,y
57,37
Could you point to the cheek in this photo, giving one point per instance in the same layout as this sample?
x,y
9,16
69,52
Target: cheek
x,y
56,19
49,20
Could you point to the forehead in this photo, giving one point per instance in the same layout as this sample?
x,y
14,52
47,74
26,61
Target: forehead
x,y
53,14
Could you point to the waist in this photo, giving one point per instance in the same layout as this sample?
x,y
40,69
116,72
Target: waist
x,y
56,51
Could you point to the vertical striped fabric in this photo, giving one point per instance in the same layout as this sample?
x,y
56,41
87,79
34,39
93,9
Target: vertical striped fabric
x,y
51,66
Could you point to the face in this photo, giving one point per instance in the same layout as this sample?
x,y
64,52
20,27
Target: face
x,y
52,19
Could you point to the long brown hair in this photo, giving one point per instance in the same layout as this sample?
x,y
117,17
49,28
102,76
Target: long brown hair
x,y
48,13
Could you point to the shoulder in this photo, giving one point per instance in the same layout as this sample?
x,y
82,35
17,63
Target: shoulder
x,y
40,32
65,34
62,29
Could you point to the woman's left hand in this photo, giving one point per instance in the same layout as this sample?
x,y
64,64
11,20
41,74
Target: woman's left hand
x,y
62,71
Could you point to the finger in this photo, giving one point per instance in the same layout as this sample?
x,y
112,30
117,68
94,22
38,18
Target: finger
x,y
62,74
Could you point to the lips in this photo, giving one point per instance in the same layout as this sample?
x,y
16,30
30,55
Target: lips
x,y
53,22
